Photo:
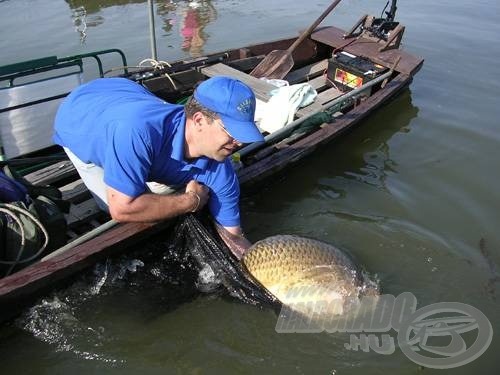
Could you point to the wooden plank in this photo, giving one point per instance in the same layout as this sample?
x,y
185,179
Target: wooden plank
x,y
311,108
52,173
307,72
322,98
74,192
253,175
334,37
261,88
82,212
319,83
328,95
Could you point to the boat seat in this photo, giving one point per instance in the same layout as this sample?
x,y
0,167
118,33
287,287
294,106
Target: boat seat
x,y
27,113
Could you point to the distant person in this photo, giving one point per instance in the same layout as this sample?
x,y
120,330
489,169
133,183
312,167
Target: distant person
x,y
120,136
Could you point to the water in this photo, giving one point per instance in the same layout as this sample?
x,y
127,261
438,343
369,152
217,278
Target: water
x,y
413,194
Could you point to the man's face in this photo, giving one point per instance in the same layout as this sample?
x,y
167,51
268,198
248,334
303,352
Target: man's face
x,y
215,142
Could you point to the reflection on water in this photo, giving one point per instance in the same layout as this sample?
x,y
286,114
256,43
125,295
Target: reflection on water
x,y
374,160
81,21
187,18
370,162
85,13
194,19
95,6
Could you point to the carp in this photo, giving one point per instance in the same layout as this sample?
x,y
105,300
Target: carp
x,y
307,275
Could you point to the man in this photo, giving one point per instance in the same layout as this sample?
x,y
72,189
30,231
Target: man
x,y
120,136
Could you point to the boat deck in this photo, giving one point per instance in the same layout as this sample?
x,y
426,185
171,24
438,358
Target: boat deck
x,y
369,48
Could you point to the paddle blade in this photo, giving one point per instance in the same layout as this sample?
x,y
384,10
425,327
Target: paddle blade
x,y
275,65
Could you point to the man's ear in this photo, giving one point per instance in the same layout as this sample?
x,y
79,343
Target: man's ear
x,y
198,119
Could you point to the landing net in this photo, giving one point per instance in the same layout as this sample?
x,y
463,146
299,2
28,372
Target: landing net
x,y
216,265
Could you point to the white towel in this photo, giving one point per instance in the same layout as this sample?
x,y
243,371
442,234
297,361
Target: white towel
x,y
281,107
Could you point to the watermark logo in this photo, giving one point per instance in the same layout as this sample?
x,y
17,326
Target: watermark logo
x,y
430,336
452,319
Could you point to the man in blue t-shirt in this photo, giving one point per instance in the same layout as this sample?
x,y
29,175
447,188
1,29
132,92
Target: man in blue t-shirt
x,y
123,140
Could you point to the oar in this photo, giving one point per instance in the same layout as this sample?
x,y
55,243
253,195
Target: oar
x,y
279,62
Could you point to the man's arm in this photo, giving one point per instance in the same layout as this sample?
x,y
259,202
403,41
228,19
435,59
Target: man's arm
x,y
150,207
234,239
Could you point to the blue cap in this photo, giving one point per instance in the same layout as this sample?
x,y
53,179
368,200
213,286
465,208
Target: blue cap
x,y
234,102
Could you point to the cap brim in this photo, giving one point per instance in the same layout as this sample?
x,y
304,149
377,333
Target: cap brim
x,y
242,131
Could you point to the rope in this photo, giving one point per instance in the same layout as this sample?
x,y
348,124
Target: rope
x,y
155,64
11,210
158,65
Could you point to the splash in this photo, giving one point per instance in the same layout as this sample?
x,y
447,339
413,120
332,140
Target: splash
x,y
55,319
54,322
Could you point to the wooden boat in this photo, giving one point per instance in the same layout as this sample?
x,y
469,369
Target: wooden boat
x,y
339,106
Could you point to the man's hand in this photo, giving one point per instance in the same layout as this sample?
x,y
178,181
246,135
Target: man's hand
x,y
199,192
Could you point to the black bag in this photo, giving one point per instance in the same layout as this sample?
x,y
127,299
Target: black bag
x,y
31,222
23,238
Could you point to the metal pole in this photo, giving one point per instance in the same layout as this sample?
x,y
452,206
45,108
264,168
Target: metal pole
x,y
86,237
152,35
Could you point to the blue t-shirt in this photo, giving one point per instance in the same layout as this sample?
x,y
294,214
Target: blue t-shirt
x,y
137,137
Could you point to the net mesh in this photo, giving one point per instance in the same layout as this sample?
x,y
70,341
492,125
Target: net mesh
x,y
195,236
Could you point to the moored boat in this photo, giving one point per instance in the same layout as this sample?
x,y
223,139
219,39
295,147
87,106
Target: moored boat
x,y
353,73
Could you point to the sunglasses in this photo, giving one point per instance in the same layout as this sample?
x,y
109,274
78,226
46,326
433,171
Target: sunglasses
x,y
233,140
